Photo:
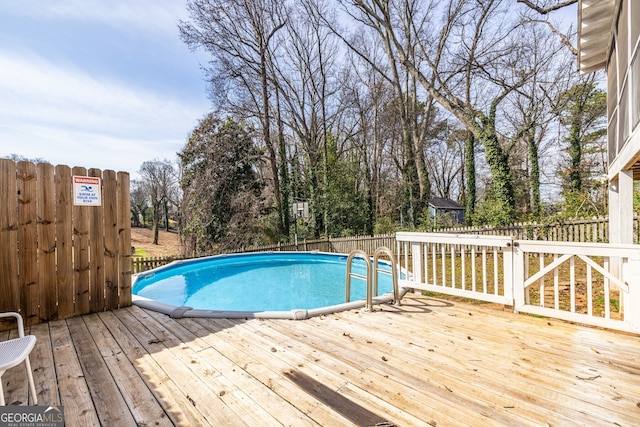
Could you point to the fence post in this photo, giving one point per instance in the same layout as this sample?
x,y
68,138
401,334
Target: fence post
x,y
46,212
64,241
9,288
124,231
96,247
28,241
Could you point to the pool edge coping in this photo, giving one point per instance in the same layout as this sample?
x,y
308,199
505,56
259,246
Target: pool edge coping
x,y
179,312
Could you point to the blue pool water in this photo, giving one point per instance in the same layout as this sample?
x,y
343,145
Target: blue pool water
x,y
273,281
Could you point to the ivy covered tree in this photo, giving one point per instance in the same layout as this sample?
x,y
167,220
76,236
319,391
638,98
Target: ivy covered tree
x,y
346,195
222,202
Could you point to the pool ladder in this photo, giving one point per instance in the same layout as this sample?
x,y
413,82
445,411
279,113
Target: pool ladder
x,y
372,284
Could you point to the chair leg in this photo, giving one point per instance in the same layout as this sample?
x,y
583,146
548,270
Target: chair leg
x,y
1,391
31,383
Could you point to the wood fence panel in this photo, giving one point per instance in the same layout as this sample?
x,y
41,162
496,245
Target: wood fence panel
x,y
28,242
124,219
58,260
64,242
96,252
81,261
46,214
111,250
9,292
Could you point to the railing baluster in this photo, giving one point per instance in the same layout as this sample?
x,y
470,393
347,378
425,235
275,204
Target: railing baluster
x,y
589,292
484,270
572,283
541,256
556,285
473,269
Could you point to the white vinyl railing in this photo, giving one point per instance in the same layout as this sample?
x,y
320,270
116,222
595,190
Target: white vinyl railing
x,y
591,283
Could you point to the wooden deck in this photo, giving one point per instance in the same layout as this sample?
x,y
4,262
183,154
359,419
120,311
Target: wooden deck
x,y
428,362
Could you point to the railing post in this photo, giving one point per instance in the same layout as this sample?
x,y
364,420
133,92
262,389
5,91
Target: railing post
x,y
416,261
631,301
516,276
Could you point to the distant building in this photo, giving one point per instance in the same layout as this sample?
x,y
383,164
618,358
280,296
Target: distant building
x,y
439,207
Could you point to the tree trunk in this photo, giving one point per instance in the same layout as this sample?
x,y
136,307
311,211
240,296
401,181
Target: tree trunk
x,y
470,170
156,221
166,215
575,152
284,182
534,176
266,136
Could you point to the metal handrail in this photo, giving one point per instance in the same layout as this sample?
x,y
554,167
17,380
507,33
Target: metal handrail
x,y
369,304
383,250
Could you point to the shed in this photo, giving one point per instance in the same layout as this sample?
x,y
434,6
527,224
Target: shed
x,y
439,206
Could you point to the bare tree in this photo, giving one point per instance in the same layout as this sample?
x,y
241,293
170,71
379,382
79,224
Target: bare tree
x,y
240,35
307,90
469,65
531,113
366,97
545,8
159,178
415,113
139,202
445,159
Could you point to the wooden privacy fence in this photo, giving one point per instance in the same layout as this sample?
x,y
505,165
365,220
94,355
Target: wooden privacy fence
x,y
58,260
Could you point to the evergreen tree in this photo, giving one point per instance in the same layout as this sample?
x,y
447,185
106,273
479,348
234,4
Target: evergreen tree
x,y
221,204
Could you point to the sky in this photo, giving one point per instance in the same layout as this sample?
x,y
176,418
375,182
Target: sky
x,y
99,84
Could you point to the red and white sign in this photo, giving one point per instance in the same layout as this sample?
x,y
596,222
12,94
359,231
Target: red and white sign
x,y
86,191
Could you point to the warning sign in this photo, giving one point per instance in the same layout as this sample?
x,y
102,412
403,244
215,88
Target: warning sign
x,y
86,191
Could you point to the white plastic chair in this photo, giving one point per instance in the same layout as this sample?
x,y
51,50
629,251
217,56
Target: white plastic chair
x,y
14,351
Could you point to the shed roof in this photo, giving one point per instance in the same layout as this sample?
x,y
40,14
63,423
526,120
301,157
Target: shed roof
x,y
595,27
441,203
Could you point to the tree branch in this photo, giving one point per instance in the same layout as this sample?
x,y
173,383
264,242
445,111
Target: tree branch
x,y
545,11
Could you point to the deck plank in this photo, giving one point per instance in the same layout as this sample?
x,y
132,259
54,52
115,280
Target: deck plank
x,y
427,362
320,362
403,385
14,380
258,352
79,409
177,360
465,375
202,361
109,402
146,410
138,344
245,355
262,396
543,370
41,359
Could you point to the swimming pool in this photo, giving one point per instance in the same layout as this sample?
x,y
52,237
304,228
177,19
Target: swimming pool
x,y
293,285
